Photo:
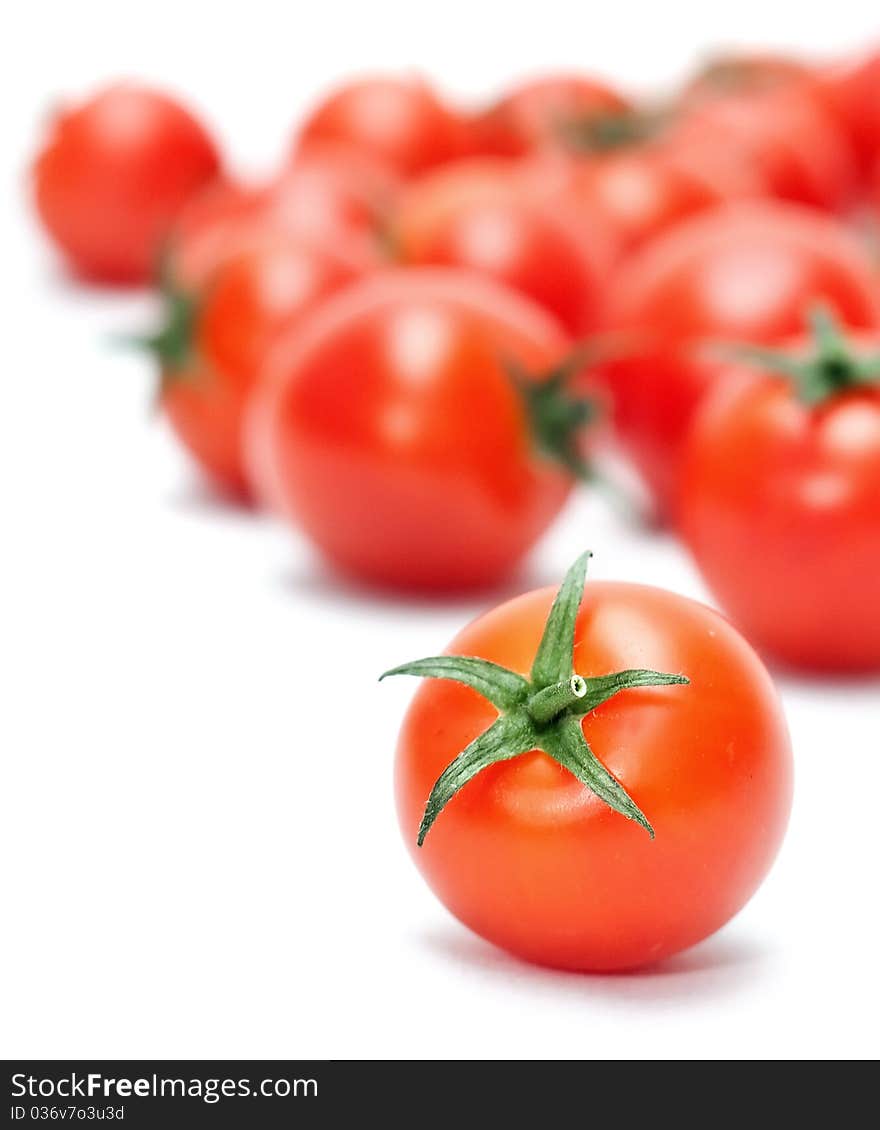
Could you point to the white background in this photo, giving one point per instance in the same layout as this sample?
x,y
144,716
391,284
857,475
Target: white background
x,y
199,850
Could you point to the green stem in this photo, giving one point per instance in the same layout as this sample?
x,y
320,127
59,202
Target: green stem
x,y
552,701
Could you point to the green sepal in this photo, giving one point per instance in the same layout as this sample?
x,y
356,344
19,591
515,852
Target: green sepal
x,y
602,687
512,735
504,689
554,659
566,744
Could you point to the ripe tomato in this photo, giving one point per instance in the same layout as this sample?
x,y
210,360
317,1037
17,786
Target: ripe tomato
x,y
537,114
400,122
780,502
391,432
113,175
854,90
216,341
476,215
630,195
788,133
743,273
536,843
329,197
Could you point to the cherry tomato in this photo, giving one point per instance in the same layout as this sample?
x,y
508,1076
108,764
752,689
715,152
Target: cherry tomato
x,y
630,195
214,347
526,853
113,175
391,431
476,215
854,90
329,197
400,122
780,504
743,273
788,133
537,114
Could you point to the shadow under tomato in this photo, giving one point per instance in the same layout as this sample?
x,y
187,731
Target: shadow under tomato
x,y
201,497
714,968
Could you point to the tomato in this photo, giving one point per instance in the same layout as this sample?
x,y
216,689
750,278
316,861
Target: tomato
x,y
780,502
630,194
476,215
537,114
543,846
213,349
854,90
400,122
751,73
329,197
743,273
113,175
391,432
788,133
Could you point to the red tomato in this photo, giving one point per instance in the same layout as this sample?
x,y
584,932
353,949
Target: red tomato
x,y
529,857
780,505
788,134
398,121
537,114
855,93
744,273
391,432
476,215
329,197
630,195
113,175
215,349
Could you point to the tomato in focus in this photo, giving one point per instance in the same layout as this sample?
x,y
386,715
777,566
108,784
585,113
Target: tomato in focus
x,y
113,175
532,860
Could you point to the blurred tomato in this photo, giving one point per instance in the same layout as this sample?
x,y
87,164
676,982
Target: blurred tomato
x,y
787,133
215,344
855,92
539,113
743,273
113,175
330,197
478,215
400,122
780,502
392,432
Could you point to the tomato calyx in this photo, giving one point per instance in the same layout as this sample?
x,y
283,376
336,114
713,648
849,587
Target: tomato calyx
x,y
171,345
557,418
833,366
604,133
541,712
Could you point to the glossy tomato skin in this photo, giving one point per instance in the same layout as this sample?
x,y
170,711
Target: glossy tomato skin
x,y
329,197
398,121
534,862
780,507
479,215
533,115
114,174
390,433
789,134
737,274
243,307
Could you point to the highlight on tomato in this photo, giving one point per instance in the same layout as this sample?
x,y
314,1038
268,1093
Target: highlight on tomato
x,y
480,215
213,345
739,273
780,498
113,175
420,429
597,780
398,121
